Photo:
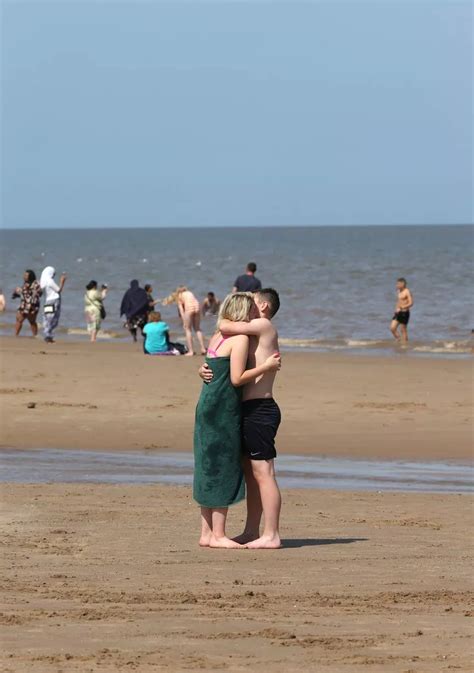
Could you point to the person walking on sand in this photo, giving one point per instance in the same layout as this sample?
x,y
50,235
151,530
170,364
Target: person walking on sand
x,y
94,308
248,281
218,478
135,307
401,316
260,421
189,310
30,296
52,302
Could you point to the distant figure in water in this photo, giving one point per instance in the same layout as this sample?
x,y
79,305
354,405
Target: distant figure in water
x,y
52,301
210,304
402,311
30,295
248,281
189,310
3,303
135,307
94,308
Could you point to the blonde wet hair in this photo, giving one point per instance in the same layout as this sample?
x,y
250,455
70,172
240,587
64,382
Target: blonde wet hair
x,y
236,307
173,298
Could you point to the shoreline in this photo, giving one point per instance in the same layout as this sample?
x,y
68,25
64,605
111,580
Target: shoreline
x,y
442,347
110,397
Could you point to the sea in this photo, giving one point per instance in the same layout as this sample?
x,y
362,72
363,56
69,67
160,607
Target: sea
x,y
336,284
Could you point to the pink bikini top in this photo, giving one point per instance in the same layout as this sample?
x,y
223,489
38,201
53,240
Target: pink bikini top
x,y
211,352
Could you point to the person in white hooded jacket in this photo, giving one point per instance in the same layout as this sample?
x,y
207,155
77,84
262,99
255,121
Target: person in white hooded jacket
x,y
52,301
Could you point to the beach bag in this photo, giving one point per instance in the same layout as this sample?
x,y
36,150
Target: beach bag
x,y
181,348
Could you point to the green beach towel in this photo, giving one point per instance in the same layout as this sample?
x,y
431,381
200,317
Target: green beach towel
x,y
218,476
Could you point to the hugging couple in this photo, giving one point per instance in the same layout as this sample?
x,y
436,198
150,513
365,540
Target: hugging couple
x,y
236,423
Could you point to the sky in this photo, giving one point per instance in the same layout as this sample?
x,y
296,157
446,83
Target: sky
x,y
257,113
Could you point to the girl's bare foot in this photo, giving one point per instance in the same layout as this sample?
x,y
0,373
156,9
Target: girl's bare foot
x,y
265,542
189,354
224,543
204,541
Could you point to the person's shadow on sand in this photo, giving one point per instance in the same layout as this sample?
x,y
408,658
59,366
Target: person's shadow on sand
x,y
316,542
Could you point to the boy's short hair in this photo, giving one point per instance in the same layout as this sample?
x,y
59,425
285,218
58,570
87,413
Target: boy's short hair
x,y
252,267
154,316
402,280
272,298
211,294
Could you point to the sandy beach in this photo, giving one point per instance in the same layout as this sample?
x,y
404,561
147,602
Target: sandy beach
x,y
109,396
109,578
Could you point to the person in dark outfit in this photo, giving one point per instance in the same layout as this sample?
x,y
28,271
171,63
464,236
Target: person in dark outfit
x,y
135,307
248,281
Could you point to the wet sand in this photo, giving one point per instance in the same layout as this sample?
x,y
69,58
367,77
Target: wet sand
x,y
109,578
111,397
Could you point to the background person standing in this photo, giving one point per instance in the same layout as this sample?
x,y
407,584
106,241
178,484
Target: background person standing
x,y
30,295
248,281
402,311
52,302
94,308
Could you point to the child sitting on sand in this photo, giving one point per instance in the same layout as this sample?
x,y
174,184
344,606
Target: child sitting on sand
x,y
156,332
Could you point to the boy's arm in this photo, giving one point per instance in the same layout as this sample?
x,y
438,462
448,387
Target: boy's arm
x,y
409,297
255,327
239,376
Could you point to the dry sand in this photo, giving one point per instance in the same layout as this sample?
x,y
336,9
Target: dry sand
x,y
109,578
111,397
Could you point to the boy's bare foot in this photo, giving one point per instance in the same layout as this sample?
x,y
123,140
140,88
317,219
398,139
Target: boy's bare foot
x,y
265,542
244,537
189,354
205,541
224,543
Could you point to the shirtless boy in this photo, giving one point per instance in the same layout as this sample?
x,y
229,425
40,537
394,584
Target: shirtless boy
x,y
402,311
260,420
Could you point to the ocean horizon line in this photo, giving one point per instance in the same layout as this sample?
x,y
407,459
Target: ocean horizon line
x,y
244,226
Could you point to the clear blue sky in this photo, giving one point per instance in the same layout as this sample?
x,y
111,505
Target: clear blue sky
x,y
236,113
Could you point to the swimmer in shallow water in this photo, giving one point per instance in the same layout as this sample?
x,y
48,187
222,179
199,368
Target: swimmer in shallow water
x,y
210,304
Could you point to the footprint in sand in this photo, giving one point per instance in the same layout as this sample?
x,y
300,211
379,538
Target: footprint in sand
x,y
15,391
69,404
390,406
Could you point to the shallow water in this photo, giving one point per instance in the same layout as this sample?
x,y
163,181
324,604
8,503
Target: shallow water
x,y
56,465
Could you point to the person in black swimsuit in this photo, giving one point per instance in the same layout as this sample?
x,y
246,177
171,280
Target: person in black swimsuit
x,y
401,316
